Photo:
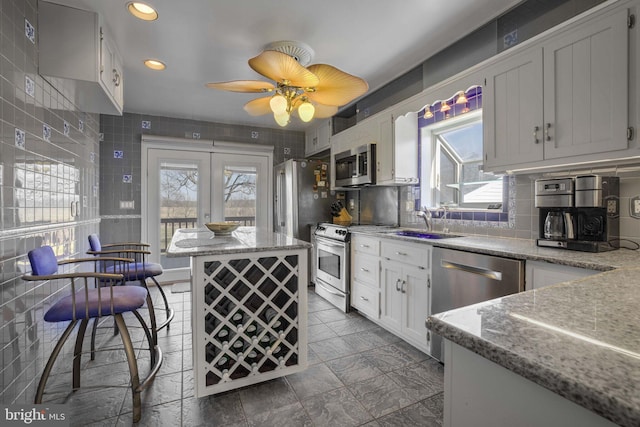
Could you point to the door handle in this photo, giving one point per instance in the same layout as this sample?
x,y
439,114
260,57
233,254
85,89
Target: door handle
x,y
402,289
398,285
485,272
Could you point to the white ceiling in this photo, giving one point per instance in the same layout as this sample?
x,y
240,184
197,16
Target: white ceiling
x,y
206,41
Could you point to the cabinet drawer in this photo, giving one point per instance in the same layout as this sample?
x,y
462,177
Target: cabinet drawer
x,y
366,245
407,253
365,299
366,269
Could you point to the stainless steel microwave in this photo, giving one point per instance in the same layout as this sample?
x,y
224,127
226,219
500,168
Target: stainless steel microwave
x,y
356,167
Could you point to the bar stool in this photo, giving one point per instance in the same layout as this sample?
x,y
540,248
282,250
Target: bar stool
x,y
93,295
138,271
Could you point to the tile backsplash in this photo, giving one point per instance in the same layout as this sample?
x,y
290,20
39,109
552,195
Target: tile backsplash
x,y
48,194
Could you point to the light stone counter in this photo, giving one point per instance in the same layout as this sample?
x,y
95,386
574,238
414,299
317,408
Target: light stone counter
x,y
579,339
201,241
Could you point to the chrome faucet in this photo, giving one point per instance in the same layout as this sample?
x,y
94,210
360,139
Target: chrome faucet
x,y
445,211
425,214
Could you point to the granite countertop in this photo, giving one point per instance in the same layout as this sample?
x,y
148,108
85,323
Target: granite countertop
x,y
201,241
579,339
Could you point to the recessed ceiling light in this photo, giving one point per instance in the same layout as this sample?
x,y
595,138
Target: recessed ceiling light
x,y
142,11
154,64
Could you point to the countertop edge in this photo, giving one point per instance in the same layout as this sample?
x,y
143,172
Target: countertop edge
x,y
578,392
206,252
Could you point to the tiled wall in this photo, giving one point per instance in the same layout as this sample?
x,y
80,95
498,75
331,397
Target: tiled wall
x,y
48,162
122,134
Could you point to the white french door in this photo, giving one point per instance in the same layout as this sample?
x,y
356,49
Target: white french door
x,y
185,188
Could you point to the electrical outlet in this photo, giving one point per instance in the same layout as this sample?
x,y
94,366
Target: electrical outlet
x,y
612,206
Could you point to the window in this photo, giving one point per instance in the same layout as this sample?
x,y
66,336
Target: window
x,y
451,165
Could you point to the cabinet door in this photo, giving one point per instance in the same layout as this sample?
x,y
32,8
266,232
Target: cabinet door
x,y
391,296
541,274
405,148
415,289
585,88
310,141
512,111
324,135
385,167
110,68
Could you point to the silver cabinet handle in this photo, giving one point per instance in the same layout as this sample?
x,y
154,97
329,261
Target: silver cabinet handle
x,y
364,299
535,134
364,246
365,270
398,285
402,289
116,77
546,131
401,253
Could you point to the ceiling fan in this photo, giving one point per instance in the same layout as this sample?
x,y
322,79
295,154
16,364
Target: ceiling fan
x,y
314,91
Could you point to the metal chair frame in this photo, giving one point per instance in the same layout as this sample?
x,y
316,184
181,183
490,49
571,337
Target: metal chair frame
x,y
103,284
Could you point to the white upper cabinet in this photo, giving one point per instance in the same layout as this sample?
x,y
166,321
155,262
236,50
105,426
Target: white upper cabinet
x,y
563,98
318,138
512,111
74,45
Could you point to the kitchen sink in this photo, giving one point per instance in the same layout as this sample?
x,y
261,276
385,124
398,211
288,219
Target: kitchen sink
x,y
423,234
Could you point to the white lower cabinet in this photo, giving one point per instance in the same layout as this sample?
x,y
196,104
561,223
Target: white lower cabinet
x,y
365,275
540,274
404,300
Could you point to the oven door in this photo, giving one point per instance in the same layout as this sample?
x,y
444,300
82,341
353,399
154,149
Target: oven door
x,y
331,263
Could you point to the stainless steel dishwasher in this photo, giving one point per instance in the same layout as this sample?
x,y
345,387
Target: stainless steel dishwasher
x,y
463,278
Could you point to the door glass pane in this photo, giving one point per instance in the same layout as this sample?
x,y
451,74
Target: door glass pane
x,y
240,194
178,205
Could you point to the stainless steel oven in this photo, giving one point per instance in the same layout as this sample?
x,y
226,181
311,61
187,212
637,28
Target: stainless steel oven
x,y
332,264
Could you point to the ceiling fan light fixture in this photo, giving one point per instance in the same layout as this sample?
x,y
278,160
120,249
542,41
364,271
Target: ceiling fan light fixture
x,y
142,11
278,104
282,119
306,111
154,64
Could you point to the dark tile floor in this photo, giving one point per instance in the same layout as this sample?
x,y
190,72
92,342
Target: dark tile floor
x,y
359,374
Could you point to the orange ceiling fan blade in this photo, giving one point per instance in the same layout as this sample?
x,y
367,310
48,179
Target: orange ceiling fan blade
x,y
245,86
324,111
258,107
282,68
336,87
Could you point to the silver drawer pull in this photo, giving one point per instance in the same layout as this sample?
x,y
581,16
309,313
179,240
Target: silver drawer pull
x,y
365,246
364,299
401,253
365,270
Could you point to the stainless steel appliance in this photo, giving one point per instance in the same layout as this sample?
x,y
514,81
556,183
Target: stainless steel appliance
x,y
463,278
302,197
356,167
332,264
580,213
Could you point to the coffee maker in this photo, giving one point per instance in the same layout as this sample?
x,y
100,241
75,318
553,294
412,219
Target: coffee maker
x,y
580,213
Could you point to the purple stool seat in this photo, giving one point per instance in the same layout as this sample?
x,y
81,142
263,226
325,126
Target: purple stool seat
x,y
125,298
136,271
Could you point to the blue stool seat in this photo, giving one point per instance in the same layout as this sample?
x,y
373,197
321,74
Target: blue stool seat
x,y
135,271
98,303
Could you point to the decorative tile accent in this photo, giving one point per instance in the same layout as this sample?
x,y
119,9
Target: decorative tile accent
x,y
146,124
127,179
66,128
29,86
30,31
92,157
81,128
46,132
196,135
118,154
20,138
255,135
101,137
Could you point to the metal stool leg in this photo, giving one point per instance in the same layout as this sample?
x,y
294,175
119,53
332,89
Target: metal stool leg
x,y
77,353
170,312
94,330
51,361
148,335
133,367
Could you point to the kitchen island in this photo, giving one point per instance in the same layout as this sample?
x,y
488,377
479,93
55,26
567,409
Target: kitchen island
x,y
248,306
563,355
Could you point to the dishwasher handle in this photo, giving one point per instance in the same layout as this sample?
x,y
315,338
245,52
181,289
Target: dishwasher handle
x,y
485,272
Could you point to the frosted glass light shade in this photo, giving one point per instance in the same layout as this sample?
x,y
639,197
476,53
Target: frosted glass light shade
x,y
278,104
282,119
306,111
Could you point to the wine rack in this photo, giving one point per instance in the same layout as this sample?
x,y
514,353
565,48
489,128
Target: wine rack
x,y
250,318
